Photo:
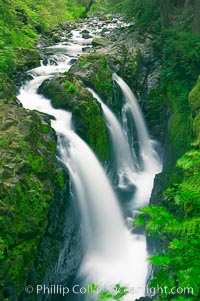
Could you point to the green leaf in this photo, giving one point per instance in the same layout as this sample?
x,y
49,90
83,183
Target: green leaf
x,y
159,260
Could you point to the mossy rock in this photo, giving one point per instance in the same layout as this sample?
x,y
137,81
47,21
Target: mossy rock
x,y
26,58
180,125
64,90
126,60
29,182
196,128
100,42
194,100
68,92
89,124
7,88
157,113
94,70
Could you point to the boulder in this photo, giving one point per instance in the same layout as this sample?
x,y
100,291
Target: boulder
x,y
31,181
93,69
67,91
100,42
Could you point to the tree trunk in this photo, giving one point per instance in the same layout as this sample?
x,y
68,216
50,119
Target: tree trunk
x,y
88,7
196,18
165,7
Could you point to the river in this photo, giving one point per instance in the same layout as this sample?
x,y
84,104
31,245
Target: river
x,y
113,253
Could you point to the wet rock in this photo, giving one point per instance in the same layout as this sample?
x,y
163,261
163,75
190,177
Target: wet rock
x,y
64,90
100,42
67,91
105,30
87,49
69,35
85,31
27,167
56,38
86,36
95,72
26,58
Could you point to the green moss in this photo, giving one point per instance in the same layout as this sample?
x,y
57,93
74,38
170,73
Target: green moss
x,y
196,128
100,41
82,60
100,76
28,57
62,90
180,132
91,127
45,128
70,87
29,182
130,63
180,71
69,92
194,99
61,179
180,125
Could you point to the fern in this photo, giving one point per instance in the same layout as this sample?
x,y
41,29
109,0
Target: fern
x,y
189,227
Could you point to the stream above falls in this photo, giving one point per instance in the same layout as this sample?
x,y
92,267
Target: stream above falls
x,y
113,253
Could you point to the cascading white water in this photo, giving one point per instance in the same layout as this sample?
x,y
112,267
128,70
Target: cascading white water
x,y
112,254
94,194
151,164
123,155
151,161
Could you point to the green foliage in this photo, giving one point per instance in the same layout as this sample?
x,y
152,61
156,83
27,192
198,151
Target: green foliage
x,y
119,293
143,12
194,100
116,292
190,160
21,24
70,87
2,247
99,6
180,56
177,226
157,219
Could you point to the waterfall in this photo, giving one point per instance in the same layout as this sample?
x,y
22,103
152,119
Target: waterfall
x,y
99,207
150,159
112,253
151,164
123,155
